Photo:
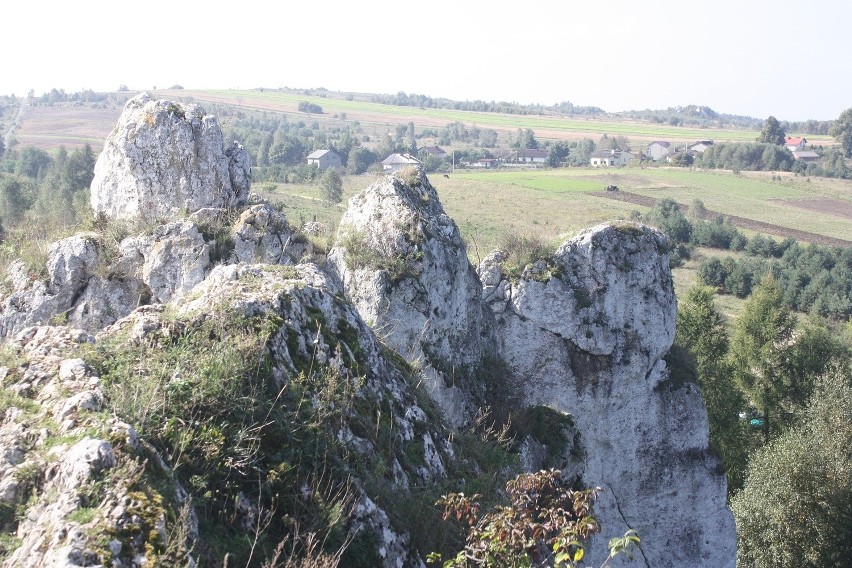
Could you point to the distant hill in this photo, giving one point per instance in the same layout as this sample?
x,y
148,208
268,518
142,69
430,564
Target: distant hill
x,y
72,120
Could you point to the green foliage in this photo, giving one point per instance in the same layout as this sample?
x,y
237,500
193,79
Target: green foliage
x,y
313,108
772,132
815,278
332,186
762,339
701,329
525,250
796,507
668,217
758,156
842,131
203,395
360,253
525,139
544,519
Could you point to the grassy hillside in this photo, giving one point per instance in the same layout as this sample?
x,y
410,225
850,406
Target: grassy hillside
x,y
555,204
71,125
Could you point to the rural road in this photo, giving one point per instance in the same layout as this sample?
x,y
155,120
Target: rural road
x,y
15,123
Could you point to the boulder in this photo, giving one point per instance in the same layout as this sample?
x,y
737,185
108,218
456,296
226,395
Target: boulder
x,y
165,159
261,234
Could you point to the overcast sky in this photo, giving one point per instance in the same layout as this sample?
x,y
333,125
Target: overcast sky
x,y
788,58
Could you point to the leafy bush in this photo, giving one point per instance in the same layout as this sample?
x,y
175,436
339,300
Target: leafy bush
x,y
313,108
545,522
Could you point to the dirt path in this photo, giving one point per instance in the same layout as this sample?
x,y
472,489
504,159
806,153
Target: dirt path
x,y
741,222
15,124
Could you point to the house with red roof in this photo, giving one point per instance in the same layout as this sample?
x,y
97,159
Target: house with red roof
x,y
794,143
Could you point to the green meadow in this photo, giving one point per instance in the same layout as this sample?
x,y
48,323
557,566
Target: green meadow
x,y
545,127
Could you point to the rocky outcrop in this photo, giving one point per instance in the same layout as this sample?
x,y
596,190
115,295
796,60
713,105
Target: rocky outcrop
x,y
262,234
50,460
586,331
404,266
165,159
575,345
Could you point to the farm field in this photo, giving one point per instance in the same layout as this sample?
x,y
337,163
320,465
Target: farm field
x,y
812,205
50,127
556,204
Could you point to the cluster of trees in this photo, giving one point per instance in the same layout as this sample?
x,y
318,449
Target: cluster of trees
x,y
279,146
692,115
813,278
778,397
423,101
55,96
312,108
759,156
55,186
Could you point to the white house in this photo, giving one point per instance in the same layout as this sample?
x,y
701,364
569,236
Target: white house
x,y
658,150
611,158
533,155
396,162
325,159
794,144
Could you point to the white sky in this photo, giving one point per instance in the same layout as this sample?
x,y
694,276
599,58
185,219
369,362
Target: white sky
x,y
788,58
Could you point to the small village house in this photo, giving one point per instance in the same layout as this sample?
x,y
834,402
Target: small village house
x,y
433,151
699,147
396,162
805,155
658,150
532,156
795,143
611,158
325,159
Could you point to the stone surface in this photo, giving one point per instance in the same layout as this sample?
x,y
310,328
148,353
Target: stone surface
x,y
587,337
404,266
165,159
262,234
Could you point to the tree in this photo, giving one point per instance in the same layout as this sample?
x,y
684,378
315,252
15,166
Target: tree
x,y
701,329
12,201
795,509
842,131
762,339
360,160
332,186
772,132
557,154
525,139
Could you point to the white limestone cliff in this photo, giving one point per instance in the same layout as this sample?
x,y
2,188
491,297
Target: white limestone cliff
x,y
586,332
404,266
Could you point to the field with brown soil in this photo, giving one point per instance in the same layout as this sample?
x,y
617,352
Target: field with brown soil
x,y
49,127
753,225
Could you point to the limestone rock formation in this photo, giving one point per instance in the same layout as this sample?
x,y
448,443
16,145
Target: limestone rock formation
x,y
583,332
50,460
90,284
587,331
262,234
164,159
404,266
